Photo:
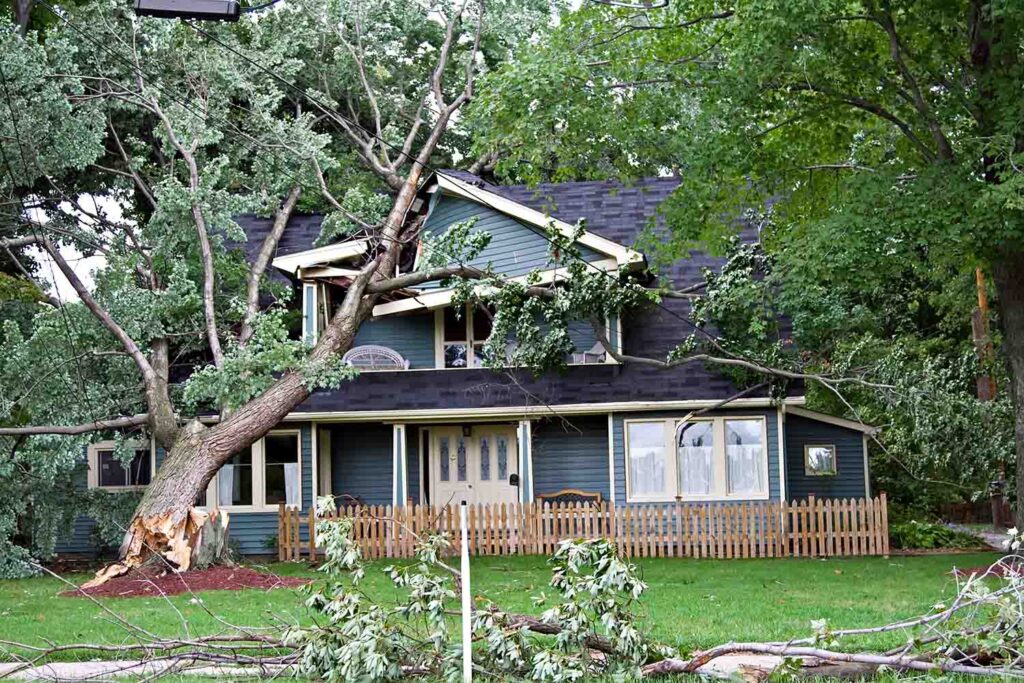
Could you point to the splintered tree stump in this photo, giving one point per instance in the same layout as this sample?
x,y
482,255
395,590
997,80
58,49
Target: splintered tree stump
x,y
195,541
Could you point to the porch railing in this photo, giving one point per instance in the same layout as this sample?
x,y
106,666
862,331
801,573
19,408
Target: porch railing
x,y
806,528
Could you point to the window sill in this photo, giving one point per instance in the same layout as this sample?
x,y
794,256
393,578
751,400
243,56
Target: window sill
x,y
117,489
818,475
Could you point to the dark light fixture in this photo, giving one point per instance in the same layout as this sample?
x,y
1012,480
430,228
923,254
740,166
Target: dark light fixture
x,y
203,10
467,430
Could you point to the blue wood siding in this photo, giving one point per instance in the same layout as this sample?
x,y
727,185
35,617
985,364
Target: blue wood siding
x,y
252,531
410,335
849,443
571,454
361,462
515,248
772,427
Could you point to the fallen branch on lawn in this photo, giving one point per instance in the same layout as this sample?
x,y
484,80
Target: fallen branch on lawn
x,y
977,633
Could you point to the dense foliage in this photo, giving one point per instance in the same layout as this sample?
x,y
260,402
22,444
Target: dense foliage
x,y
872,145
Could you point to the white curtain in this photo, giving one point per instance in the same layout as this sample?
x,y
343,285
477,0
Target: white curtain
x,y
291,483
226,485
696,470
647,470
746,469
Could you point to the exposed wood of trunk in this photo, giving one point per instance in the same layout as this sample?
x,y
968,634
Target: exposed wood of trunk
x,y
1008,274
165,523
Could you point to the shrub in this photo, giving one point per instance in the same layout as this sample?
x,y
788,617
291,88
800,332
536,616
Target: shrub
x,y
927,535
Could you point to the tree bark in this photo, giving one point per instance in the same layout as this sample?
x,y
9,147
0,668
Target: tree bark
x,y
1008,273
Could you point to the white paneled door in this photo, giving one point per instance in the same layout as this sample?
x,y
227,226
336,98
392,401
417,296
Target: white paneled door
x,y
474,468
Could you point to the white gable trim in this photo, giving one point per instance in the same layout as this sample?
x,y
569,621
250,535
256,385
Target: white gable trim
x,y
442,297
320,256
832,420
622,255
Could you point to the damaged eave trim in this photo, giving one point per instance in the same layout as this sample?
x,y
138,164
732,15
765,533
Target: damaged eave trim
x,y
320,256
870,430
442,297
622,255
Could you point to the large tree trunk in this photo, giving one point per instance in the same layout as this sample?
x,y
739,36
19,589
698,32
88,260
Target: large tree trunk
x,y
166,525
1008,273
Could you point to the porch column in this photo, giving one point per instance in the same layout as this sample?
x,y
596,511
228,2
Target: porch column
x,y
399,478
525,437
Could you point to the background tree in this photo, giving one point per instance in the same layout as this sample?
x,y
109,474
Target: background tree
x,y
875,143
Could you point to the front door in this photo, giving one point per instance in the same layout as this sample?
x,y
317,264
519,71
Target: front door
x,y
474,468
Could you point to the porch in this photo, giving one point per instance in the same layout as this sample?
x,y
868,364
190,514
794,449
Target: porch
x,y
752,529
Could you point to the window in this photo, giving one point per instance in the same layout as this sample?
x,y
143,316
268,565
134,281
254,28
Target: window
x,y
234,480
647,461
107,471
718,458
281,469
744,451
820,460
463,336
261,477
695,451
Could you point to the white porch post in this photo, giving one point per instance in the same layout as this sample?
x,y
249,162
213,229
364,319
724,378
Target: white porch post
x,y
525,437
399,479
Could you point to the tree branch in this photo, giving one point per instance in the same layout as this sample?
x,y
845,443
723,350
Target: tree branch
x,y
138,420
101,314
255,275
419,277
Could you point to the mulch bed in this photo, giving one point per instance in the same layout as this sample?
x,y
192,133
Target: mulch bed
x,y
155,582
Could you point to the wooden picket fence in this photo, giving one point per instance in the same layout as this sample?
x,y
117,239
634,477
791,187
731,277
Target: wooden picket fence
x,y
806,528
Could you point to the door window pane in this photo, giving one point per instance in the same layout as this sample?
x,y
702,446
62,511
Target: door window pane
x,y
485,458
744,456
460,458
112,473
234,481
647,458
281,469
445,458
502,458
695,455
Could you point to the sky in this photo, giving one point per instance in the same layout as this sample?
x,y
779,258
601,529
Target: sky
x,y
84,266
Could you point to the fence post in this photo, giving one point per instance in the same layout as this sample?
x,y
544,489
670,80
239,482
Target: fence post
x,y
312,533
280,532
885,524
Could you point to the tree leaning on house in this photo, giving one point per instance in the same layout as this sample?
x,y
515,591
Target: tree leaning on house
x,y
185,127
878,142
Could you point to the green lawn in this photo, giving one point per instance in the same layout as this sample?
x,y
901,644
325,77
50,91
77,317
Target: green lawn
x,y
690,603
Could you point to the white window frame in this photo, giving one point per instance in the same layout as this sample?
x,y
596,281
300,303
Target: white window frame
x,y
259,488
808,472
440,344
721,493
93,478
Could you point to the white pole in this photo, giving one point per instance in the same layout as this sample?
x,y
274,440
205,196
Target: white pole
x,y
467,600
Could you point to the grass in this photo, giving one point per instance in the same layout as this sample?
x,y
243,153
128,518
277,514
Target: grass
x,y
690,603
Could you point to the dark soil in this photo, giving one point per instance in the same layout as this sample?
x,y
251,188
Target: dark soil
x,y
153,581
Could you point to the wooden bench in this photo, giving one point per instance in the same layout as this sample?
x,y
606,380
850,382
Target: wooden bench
x,y
571,496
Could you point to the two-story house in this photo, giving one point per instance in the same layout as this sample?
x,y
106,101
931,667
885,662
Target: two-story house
x,y
425,423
